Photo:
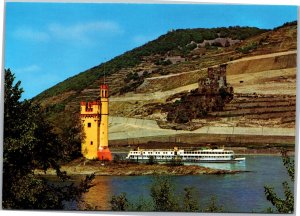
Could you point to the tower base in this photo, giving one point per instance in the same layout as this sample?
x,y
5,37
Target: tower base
x,y
104,154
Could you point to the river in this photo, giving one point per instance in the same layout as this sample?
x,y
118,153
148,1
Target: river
x,y
242,192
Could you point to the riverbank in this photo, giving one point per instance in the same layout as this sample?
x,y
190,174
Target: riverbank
x,y
85,167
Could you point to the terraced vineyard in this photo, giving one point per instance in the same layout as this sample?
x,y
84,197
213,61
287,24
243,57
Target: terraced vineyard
x,y
261,107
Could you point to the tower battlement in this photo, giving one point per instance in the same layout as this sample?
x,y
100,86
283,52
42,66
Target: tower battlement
x,y
90,107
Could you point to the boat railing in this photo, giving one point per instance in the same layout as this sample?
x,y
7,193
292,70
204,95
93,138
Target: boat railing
x,y
153,150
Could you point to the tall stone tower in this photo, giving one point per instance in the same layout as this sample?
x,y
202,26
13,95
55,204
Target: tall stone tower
x,y
94,118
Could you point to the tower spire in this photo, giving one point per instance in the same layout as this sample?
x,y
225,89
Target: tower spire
x,y
104,74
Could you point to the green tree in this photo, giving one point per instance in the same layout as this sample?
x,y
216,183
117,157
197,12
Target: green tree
x,y
142,204
29,143
162,194
190,203
70,134
286,204
119,202
213,206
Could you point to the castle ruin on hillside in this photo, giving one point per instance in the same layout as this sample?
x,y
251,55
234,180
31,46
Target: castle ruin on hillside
x,y
215,80
212,94
215,88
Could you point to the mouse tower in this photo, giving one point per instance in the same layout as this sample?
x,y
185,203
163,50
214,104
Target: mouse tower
x,y
94,119
103,150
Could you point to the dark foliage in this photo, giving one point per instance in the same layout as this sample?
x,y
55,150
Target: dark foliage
x,y
247,48
213,206
293,23
119,202
190,202
151,161
162,194
286,204
69,132
30,144
175,162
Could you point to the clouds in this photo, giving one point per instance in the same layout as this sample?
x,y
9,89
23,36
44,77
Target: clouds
x,y
85,32
28,69
31,34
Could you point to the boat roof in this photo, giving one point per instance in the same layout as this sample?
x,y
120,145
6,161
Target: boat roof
x,y
204,150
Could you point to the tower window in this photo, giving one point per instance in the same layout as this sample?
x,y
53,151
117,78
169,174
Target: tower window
x,y
91,142
89,124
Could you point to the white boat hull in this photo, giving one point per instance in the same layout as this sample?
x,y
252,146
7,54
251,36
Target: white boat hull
x,y
183,155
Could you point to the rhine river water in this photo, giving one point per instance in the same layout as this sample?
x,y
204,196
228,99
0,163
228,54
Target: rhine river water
x,y
242,192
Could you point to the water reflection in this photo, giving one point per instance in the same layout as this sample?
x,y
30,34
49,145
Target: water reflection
x,y
99,195
241,165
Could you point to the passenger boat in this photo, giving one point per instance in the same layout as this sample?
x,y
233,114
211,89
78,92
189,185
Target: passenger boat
x,y
184,155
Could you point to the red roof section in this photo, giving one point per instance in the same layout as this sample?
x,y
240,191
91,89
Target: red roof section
x,y
103,86
83,103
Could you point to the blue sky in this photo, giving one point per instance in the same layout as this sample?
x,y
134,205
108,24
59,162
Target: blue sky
x,y
45,43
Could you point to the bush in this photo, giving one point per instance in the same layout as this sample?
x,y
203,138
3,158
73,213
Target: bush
x,y
162,195
117,158
286,204
182,118
247,48
151,161
119,203
175,162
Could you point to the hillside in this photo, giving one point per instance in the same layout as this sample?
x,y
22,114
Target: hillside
x,y
152,56
144,81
